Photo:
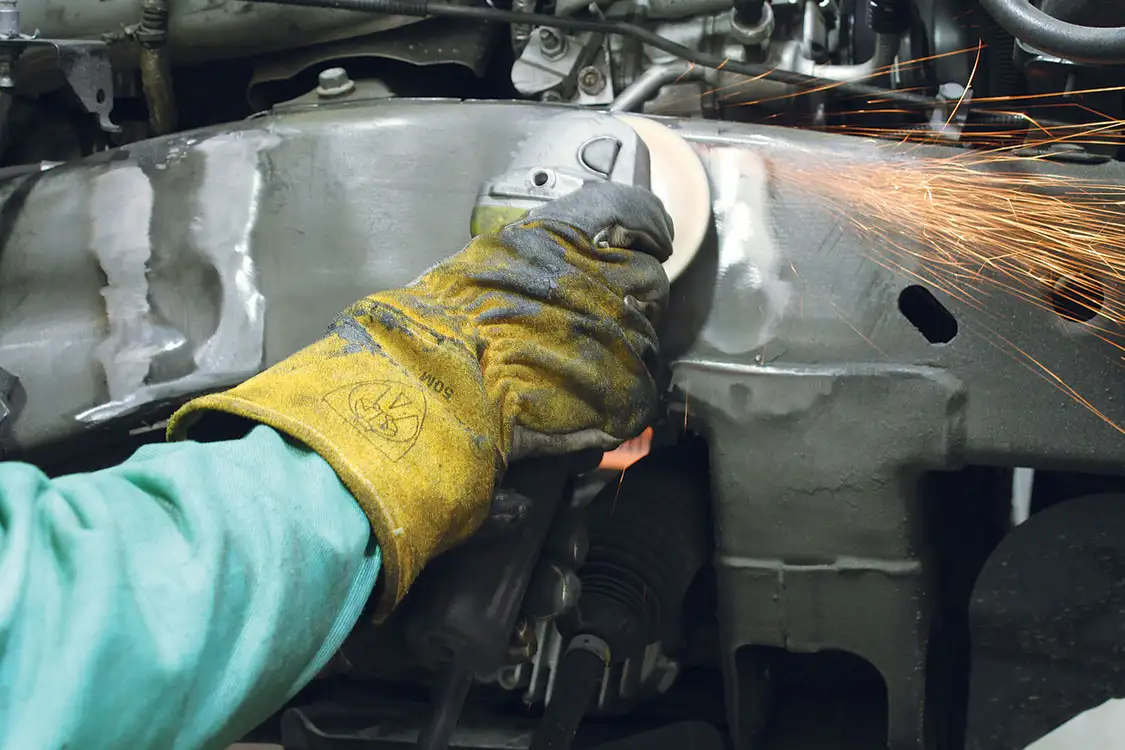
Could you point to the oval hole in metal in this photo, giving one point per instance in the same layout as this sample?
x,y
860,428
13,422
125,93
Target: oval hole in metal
x,y
926,313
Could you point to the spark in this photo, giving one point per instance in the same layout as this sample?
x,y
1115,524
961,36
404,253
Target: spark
x,y
690,67
857,332
687,400
1032,97
964,92
620,481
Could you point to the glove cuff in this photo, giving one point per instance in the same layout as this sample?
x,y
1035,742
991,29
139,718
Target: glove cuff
x,y
422,470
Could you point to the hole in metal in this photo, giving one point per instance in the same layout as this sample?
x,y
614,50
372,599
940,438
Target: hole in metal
x,y
540,178
926,313
1079,299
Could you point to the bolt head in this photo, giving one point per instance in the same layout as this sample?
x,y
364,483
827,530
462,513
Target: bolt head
x,y
951,91
591,80
551,42
333,77
334,82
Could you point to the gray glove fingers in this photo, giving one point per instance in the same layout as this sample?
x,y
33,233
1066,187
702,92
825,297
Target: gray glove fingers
x,y
651,310
632,239
626,212
642,278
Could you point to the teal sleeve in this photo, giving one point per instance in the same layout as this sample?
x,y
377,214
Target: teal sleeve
x,y
174,601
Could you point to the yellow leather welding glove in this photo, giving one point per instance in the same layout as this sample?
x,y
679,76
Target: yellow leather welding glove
x,y
533,340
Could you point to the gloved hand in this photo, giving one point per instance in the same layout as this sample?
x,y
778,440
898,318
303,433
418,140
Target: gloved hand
x,y
533,340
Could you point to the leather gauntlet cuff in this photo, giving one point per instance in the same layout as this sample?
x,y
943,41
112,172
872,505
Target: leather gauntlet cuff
x,y
403,424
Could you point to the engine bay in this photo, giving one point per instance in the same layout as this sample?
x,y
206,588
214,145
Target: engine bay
x,y
931,70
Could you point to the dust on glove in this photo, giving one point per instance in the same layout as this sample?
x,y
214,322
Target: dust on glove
x,y
534,340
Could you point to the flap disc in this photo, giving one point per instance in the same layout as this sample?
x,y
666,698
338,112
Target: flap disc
x,y
679,180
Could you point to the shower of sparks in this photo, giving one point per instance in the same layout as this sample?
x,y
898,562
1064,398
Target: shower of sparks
x,y
981,221
976,224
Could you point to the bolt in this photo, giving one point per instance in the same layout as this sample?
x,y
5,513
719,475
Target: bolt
x,y
591,81
334,82
551,96
951,91
551,43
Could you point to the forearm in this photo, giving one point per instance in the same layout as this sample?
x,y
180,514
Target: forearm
x,y
176,600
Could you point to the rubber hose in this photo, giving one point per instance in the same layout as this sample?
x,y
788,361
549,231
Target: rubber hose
x,y
888,16
580,672
1083,44
422,8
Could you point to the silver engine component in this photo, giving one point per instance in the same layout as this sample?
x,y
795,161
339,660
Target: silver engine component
x,y
655,672
802,36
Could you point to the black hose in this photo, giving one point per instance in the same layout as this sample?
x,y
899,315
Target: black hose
x,y
888,16
580,671
1084,44
422,8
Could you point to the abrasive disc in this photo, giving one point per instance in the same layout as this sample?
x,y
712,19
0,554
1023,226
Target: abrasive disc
x,y
679,180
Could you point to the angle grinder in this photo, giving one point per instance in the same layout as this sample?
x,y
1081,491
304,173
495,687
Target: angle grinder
x,y
577,147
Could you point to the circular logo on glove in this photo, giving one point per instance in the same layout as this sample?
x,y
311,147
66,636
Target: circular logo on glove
x,y
388,414
390,410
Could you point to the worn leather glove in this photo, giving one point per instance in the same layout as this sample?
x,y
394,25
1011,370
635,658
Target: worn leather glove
x,y
534,340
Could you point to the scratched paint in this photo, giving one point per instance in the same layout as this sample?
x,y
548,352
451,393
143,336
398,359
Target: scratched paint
x,y
226,205
120,210
228,202
750,293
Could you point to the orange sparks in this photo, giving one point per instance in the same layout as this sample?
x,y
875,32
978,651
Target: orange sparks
x,y
973,224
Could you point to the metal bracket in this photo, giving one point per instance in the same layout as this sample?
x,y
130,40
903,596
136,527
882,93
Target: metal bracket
x,y
85,66
558,67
